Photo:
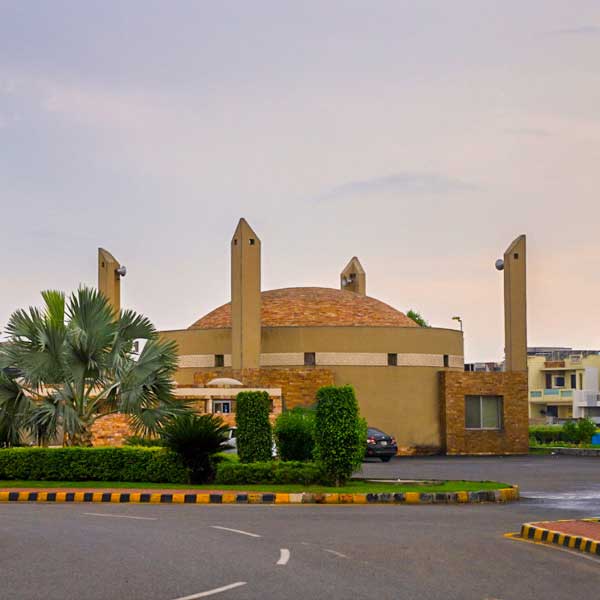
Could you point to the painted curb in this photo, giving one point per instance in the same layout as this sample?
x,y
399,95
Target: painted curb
x,y
548,536
502,495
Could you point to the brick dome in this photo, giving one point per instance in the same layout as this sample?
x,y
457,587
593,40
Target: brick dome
x,y
312,307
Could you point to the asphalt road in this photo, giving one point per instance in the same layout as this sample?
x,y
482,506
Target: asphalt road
x,y
166,552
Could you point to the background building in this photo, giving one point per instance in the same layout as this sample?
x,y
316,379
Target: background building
x,y
563,384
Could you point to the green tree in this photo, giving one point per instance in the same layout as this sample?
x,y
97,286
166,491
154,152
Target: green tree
x,y
72,362
340,433
417,318
196,438
254,435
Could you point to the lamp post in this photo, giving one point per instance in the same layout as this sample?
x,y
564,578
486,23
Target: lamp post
x,y
459,320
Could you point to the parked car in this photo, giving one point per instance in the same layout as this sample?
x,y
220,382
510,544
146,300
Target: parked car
x,y
230,444
380,445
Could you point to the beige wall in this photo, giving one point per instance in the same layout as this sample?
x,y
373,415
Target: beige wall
x,y
402,400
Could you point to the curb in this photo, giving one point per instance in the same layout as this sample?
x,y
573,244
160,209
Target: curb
x,y
548,536
502,495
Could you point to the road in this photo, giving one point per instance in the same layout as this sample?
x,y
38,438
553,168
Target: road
x,y
166,552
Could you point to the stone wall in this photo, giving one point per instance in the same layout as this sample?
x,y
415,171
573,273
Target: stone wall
x,y
513,438
111,430
299,386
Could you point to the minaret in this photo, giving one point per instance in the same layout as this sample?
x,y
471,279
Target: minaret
x,y
353,278
245,298
515,306
109,277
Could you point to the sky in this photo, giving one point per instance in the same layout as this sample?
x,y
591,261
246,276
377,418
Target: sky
x,y
422,137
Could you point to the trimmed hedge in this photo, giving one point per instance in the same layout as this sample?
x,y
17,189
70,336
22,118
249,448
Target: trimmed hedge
x,y
340,433
304,473
156,465
545,434
573,432
295,435
254,436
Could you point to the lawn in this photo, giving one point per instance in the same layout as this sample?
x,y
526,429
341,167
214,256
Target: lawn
x,y
351,487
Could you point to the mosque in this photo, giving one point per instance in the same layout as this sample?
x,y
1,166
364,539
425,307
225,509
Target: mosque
x,y
409,380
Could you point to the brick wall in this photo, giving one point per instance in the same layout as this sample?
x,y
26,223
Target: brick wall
x,y
513,438
299,386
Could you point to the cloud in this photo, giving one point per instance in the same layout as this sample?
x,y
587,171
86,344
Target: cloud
x,y
409,183
582,30
530,131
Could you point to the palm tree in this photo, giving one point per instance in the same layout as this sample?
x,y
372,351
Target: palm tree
x,y
68,364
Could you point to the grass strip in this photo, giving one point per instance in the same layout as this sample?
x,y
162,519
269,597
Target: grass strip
x,y
351,487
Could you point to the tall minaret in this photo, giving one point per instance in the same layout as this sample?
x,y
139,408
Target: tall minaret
x,y
109,277
245,298
353,278
515,306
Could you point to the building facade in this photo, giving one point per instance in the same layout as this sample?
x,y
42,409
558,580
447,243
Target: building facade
x,y
563,384
409,380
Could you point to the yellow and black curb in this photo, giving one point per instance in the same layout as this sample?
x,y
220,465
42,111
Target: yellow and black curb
x,y
538,533
502,495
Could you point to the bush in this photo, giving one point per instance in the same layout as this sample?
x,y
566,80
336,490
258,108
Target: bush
x,y
146,442
254,437
340,435
303,473
546,434
196,438
295,435
586,428
570,432
156,465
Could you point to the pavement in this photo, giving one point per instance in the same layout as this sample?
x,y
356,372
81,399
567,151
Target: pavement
x,y
168,552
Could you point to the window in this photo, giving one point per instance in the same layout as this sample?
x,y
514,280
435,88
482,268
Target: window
x,y
446,360
559,381
573,381
251,241
483,412
222,406
310,359
548,381
219,360
392,360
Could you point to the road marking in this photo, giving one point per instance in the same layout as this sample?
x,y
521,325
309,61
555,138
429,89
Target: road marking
x,y
335,552
254,535
231,586
284,556
517,538
121,516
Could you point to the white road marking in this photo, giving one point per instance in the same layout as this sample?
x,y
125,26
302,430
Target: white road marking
x,y
231,586
121,516
255,535
284,556
335,552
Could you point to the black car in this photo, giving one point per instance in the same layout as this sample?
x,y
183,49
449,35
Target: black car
x,y
380,445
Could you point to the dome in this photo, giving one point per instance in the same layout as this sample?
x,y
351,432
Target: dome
x,y
314,307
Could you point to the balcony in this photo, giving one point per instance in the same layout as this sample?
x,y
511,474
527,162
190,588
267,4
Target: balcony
x,y
551,396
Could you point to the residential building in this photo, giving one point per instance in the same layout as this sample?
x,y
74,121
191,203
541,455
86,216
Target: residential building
x,y
563,384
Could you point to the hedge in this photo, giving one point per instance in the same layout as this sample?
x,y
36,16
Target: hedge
x,y
573,432
304,473
295,435
340,433
254,436
156,465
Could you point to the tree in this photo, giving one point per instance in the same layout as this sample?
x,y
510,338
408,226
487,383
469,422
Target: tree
x,y
196,438
254,436
340,433
72,362
417,318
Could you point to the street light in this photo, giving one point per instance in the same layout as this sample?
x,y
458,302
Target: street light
x,y
459,320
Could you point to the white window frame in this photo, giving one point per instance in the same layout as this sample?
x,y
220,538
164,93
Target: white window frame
x,y
222,403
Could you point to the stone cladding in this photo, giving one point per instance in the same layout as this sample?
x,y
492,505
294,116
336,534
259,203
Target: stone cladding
x,y
513,438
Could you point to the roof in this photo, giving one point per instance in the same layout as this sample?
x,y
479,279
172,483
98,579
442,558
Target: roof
x,y
313,307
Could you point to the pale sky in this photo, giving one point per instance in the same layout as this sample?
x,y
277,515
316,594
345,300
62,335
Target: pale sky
x,y
420,136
